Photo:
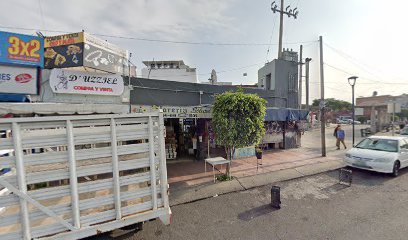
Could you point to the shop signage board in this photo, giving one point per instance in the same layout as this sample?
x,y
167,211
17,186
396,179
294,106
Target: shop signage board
x,y
20,80
101,55
64,51
75,82
21,49
176,111
84,50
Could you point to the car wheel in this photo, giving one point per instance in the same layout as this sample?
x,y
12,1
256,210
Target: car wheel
x,y
395,169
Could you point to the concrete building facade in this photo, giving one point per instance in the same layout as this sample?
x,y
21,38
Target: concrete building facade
x,y
173,70
281,77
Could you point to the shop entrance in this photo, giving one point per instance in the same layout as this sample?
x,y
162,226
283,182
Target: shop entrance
x,y
190,139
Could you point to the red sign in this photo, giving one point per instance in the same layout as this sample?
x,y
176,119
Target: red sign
x,y
23,78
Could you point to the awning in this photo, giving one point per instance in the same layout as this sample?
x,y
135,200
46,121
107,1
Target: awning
x,y
61,108
285,114
5,97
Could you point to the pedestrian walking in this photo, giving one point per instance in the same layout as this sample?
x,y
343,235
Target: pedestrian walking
x,y
340,138
335,135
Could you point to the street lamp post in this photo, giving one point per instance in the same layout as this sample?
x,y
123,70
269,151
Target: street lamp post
x,y
352,82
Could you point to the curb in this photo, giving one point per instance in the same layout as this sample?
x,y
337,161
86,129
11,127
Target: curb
x,y
197,193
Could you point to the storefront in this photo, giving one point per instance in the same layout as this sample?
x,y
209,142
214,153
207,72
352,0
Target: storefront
x,y
189,133
284,127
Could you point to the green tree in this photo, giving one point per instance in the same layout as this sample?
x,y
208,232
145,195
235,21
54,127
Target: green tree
x,y
238,120
334,104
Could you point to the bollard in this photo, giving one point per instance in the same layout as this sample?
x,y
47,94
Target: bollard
x,y
275,197
345,176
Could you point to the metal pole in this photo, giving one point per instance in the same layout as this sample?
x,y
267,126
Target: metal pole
x,y
352,93
393,117
300,77
22,184
280,30
163,167
307,85
73,179
322,117
115,168
152,158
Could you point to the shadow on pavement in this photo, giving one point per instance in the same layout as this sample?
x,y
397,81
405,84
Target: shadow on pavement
x,y
364,177
256,212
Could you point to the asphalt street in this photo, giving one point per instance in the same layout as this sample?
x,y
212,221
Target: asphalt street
x,y
315,207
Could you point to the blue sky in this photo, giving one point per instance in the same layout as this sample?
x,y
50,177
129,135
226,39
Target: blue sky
x,y
364,38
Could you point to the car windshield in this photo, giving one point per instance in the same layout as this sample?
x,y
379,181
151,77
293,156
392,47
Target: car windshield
x,y
386,145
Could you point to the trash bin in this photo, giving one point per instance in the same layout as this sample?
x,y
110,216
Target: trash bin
x,y
363,132
275,197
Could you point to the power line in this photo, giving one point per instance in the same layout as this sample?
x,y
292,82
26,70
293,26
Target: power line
x,y
366,68
365,78
160,40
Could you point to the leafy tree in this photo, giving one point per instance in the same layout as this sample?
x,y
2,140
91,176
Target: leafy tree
x,y
238,120
334,104
403,113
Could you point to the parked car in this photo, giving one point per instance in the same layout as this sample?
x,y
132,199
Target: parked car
x,y
379,153
350,121
342,121
404,131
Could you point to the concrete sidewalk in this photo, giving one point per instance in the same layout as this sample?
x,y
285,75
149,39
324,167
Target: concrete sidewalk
x,y
189,182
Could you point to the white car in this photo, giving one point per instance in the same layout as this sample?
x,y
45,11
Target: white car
x,y
379,153
350,121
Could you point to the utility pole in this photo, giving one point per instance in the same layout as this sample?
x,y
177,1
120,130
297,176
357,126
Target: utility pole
x,y
307,61
289,12
322,103
300,77
393,117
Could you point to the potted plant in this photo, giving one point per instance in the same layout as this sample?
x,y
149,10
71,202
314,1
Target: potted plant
x,y
258,153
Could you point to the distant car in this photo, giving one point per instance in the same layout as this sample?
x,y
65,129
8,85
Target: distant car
x,y
404,131
350,121
342,121
379,153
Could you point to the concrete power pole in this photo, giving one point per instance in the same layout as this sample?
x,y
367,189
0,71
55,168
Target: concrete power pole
x,y
307,61
289,12
300,77
322,103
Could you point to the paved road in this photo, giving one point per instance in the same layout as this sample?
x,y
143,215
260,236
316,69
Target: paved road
x,y
316,207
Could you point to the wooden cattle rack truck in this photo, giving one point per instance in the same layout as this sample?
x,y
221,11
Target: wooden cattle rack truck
x,y
70,177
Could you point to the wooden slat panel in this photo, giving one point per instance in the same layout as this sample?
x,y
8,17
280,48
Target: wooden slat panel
x,y
11,236
98,217
8,162
8,200
6,143
46,230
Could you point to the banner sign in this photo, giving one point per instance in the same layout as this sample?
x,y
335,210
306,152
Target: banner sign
x,y
21,49
82,49
21,80
64,51
74,82
101,55
176,112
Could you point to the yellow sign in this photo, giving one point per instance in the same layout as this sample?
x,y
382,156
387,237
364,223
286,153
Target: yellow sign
x,y
66,39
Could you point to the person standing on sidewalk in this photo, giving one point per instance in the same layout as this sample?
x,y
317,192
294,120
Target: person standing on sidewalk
x,y
335,135
340,138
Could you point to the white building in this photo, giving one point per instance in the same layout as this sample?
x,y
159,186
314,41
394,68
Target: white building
x,y
169,70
